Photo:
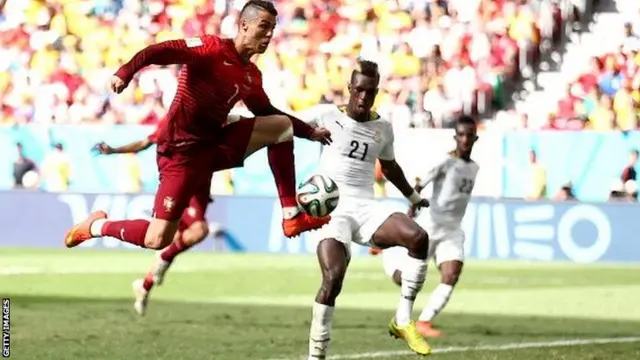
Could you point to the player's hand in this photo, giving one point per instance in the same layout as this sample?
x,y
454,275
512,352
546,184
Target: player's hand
x,y
117,84
103,148
322,135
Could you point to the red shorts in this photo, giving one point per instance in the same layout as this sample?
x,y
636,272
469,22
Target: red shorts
x,y
185,175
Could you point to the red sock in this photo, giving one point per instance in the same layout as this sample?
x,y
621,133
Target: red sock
x,y
131,231
147,284
171,251
281,161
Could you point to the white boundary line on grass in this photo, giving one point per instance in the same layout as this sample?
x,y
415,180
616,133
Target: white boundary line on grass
x,y
455,349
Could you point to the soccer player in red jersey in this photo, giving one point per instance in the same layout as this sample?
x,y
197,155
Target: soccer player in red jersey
x,y
198,140
192,230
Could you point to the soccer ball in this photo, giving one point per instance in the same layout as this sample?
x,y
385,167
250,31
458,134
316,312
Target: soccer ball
x,y
318,196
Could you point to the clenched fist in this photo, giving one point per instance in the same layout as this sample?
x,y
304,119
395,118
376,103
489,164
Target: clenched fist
x,y
117,84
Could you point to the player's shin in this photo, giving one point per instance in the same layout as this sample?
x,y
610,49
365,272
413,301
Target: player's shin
x,y
413,276
130,231
281,161
437,301
450,272
320,331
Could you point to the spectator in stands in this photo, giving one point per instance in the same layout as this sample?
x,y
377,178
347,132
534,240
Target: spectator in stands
x,y
631,190
56,169
21,166
565,193
629,172
617,192
537,184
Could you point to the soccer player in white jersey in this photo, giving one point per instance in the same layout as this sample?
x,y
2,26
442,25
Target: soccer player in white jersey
x,y
360,137
453,181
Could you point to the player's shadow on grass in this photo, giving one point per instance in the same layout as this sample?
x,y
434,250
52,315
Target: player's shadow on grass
x,y
85,328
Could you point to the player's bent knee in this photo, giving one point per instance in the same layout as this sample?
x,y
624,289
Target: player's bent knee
x,y
450,278
160,234
417,242
200,230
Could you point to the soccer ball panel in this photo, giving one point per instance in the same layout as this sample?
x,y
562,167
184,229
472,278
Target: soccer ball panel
x,y
318,196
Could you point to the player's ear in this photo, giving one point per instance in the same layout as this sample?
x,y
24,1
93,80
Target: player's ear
x,y
242,24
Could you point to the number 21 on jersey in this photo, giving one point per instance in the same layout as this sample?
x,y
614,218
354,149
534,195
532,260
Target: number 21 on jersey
x,y
355,149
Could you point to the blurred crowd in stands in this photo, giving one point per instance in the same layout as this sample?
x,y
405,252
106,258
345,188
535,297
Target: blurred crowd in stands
x,y
607,95
438,57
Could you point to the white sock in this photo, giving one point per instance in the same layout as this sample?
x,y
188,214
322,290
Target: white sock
x,y
96,227
289,212
320,332
437,301
414,272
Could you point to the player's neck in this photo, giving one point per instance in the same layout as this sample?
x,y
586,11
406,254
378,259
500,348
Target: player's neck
x,y
243,50
364,117
465,156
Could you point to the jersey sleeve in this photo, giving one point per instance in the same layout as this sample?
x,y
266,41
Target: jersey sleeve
x,y
387,152
315,115
184,51
153,137
435,172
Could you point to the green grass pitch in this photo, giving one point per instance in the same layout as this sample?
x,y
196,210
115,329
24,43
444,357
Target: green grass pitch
x,y
76,305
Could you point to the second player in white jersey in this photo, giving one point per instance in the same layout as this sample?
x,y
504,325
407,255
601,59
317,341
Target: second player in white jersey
x,y
453,180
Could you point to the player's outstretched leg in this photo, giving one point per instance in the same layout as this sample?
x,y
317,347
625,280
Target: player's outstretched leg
x,y
276,133
333,258
449,274
154,234
172,198
400,230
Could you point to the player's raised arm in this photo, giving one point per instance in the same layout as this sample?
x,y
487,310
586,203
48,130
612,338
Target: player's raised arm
x,y
183,51
260,105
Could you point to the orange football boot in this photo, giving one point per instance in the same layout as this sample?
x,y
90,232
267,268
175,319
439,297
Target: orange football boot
x,y
82,231
374,251
426,329
301,223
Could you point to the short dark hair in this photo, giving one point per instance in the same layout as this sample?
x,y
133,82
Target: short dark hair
x,y
466,120
366,68
261,5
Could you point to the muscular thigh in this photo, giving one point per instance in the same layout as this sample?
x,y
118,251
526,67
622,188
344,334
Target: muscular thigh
x,y
371,214
181,174
232,144
342,226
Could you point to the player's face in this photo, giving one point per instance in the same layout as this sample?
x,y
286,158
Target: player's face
x,y
259,31
362,91
466,136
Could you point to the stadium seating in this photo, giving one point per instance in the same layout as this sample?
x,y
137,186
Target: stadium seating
x,y
443,56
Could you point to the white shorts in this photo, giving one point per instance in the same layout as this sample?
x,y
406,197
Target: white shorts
x,y
445,244
355,219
